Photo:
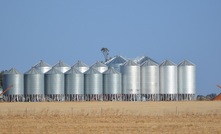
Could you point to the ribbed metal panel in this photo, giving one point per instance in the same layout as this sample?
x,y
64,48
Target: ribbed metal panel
x,y
33,82
93,82
62,67
81,66
149,77
168,78
186,78
74,82
112,81
15,78
43,67
116,62
130,78
54,82
100,67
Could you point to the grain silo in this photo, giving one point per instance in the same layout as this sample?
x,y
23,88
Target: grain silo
x,y
142,59
93,85
74,85
42,66
150,81
116,62
186,80
82,67
15,78
168,81
100,67
34,85
62,67
54,85
130,81
112,85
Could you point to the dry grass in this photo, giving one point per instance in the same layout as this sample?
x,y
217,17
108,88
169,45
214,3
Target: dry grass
x,y
111,117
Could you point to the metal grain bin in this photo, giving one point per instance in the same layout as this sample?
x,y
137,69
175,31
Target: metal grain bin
x,y
42,66
15,78
142,59
54,85
93,85
100,67
131,81
168,81
74,85
186,80
34,85
112,84
150,80
82,67
116,62
62,67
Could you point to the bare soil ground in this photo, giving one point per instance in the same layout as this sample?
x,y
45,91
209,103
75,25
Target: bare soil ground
x,y
111,117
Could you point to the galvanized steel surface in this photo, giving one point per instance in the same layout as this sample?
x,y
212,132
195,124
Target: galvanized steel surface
x,y
100,67
33,82
15,78
112,82
186,78
149,77
116,62
42,66
168,78
130,78
74,82
54,82
61,66
82,67
93,82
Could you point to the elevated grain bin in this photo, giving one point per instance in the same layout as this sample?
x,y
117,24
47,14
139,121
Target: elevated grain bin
x,y
15,78
54,85
42,66
62,67
186,80
150,81
74,85
34,85
116,62
100,67
93,84
131,81
168,81
112,85
82,67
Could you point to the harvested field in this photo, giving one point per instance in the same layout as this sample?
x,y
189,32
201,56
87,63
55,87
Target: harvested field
x,y
111,117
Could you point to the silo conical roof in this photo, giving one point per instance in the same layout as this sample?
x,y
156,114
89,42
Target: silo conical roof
x,y
54,71
111,70
33,70
149,62
92,71
12,71
42,64
186,63
80,64
167,63
61,64
130,63
117,60
98,64
142,59
73,70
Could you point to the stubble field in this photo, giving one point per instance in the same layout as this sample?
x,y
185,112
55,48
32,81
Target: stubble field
x,y
111,117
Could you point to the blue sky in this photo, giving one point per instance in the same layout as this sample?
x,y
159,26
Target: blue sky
x,y
72,30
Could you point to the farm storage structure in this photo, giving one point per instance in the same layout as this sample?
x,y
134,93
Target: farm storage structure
x,y
142,59
62,67
186,80
42,66
130,81
34,85
74,85
81,66
15,78
150,81
168,81
93,84
100,67
116,62
112,85
54,85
